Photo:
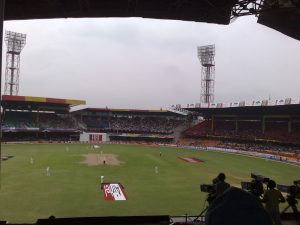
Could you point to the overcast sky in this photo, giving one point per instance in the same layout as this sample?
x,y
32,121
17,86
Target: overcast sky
x,y
144,63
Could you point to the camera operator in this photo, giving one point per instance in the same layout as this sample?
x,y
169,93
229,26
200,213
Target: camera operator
x,y
220,185
272,197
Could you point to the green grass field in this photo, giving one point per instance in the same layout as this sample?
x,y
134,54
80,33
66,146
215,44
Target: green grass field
x,y
73,189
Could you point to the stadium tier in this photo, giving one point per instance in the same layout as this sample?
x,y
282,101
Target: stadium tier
x,y
132,124
36,118
28,118
279,124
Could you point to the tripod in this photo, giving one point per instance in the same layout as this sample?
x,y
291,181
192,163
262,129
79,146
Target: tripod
x,y
201,214
293,205
209,199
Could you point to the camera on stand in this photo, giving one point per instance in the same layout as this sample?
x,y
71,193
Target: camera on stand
x,y
292,190
210,189
293,193
255,186
260,178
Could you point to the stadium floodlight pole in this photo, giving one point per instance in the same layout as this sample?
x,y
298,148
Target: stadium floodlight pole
x,y
2,5
15,42
206,55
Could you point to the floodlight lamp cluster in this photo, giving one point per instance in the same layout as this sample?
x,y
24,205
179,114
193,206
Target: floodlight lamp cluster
x,y
206,55
15,41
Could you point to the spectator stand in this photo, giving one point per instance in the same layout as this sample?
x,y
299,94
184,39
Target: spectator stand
x,y
27,118
131,124
277,124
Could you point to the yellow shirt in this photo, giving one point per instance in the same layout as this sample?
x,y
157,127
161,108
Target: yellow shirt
x,y
272,198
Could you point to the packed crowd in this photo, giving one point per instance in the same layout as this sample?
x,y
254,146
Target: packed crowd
x,y
29,120
129,124
247,130
134,124
53,121
251,146
18,120
144,124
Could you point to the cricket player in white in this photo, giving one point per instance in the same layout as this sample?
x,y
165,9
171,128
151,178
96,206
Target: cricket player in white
x,y
48,171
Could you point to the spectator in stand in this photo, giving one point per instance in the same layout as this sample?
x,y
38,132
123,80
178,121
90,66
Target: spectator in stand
x,y
247,130
134,124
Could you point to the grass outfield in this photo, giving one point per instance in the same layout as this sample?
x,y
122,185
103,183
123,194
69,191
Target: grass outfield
x,y
73,189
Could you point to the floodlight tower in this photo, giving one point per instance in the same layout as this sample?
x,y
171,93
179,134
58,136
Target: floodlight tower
x,y
15,42
206,55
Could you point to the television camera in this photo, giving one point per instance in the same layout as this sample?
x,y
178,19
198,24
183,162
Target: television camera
x,y
210,189
256,185
292,190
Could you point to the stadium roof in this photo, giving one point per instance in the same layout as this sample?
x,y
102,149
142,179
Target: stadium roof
x,y
38,103
130,111
283,17
212,11
285,20
291,110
